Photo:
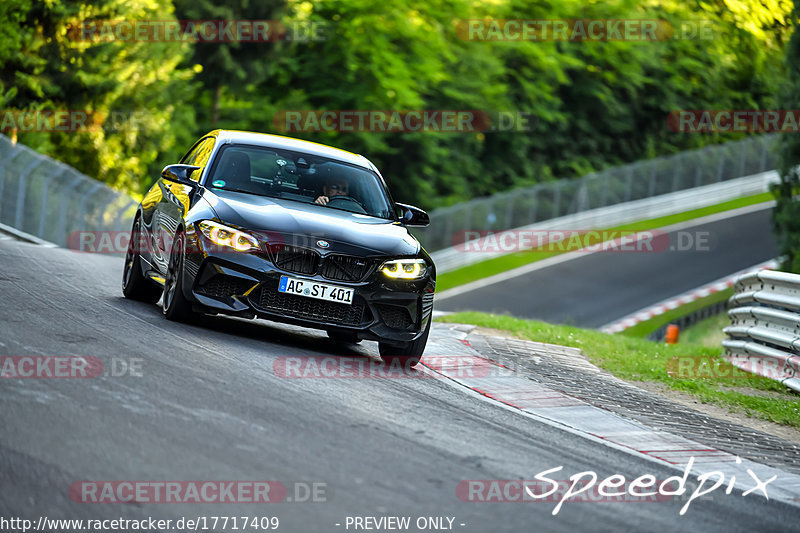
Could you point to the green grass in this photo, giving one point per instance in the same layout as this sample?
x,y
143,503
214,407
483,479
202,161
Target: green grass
x,y
637,359
645,328
490,267
707,332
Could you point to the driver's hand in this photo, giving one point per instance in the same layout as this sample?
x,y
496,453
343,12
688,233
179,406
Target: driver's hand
x,y
322,200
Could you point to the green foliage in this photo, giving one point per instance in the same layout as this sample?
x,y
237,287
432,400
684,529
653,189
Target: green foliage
x,y
132,89
597,103
786,216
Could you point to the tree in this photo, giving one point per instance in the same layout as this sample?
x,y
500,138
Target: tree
x,y
786,215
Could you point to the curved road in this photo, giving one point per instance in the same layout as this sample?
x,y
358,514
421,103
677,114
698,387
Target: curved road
x,y
594,289
207,405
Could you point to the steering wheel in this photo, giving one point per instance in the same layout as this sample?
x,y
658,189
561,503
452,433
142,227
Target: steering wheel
x,y
350,200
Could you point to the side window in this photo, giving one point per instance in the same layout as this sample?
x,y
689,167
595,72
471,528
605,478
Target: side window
x,y
199,156
191,154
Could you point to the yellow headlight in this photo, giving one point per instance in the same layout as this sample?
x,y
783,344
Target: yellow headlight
x,y
226,236
404,268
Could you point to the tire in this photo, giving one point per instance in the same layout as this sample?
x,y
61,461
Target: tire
x,y
407,354
135,285
343,337
173,302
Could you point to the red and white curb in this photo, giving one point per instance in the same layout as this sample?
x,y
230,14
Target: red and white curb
x,y
511,390
690,296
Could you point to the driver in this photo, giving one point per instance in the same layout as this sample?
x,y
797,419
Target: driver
x,y
332,189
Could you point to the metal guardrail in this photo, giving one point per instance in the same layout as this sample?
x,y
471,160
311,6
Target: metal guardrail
x,y
50,200
636,181
615,215
765,326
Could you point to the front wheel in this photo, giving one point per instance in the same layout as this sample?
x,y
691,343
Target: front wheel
x,y
135,285
407,354
173,302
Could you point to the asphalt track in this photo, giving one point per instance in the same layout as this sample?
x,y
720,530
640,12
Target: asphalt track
x,y
208,406
595,289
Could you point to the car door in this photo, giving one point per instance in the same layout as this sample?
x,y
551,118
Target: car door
x,y
174,201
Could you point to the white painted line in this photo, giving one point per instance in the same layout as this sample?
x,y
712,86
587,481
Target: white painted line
x,y
568,256
27,237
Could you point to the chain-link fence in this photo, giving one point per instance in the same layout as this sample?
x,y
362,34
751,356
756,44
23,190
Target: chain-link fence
x,y
643,179
48,199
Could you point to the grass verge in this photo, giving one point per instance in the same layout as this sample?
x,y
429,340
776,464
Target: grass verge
x,y
646,327
637,359
490,267
707,332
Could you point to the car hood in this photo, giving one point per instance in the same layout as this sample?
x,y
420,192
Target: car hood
x,y
305,224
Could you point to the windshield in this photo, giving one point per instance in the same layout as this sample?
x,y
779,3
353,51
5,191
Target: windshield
x,y
301,177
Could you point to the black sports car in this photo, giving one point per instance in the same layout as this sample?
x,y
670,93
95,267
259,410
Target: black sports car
x,y
257,225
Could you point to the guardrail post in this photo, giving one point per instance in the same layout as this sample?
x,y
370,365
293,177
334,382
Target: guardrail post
x,y
3,164
62,212
652,189
629,184
82,208
22,189
534,205
557,198
675,175
43,211
121,213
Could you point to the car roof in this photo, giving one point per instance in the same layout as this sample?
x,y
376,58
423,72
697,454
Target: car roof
x,y
288,143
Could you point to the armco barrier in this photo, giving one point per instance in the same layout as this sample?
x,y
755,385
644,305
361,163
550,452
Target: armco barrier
x,y
617,185
617,215
765,326
48,199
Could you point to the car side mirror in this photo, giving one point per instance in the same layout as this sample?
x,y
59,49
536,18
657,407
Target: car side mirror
x,y
179,173
413,216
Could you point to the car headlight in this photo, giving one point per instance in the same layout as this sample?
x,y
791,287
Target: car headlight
x,y
404,268
226,236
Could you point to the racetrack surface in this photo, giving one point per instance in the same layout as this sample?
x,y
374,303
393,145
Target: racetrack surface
x,y
597,288
209,406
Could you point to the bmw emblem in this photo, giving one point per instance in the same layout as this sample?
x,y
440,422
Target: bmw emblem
x,y
323,244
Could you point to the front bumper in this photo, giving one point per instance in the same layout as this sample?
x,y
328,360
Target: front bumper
x,y
246,284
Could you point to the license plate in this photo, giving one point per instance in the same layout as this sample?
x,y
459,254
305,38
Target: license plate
x,y
320,291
